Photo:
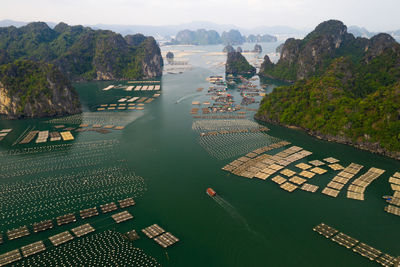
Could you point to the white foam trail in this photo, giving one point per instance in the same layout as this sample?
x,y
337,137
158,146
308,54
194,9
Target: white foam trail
x,y
185,97
232,211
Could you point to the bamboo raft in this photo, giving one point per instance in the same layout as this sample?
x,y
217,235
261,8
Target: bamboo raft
x,y
82,230
334,187
358,186
309,188
109,87
61,238
88,213
66,219
108,207
128,202
166,240
316,163
29,137
67,136
394,206
33,249
355,245
17,233
9,257
42,226
331,160
153,231
122,216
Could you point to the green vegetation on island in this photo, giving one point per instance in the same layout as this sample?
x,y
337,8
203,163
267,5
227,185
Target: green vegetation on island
x,y
347,90
82,53
31,89
236,64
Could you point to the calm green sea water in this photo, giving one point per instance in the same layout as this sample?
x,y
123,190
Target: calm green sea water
x,y
257,224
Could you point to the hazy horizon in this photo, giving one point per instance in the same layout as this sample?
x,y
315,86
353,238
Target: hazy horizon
x,y
299,14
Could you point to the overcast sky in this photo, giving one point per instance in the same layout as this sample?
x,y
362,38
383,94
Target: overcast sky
x,y
375,15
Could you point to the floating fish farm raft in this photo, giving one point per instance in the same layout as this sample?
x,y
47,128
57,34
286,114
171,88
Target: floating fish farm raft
x,y
355,245
158,234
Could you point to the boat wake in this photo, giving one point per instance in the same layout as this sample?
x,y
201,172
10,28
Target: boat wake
x,y
233,212
186,97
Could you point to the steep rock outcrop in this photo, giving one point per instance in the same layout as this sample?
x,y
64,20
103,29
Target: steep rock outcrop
x,y
236,64
30,90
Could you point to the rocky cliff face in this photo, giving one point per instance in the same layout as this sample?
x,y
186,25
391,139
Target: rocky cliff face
x,y
152,63
237,64
31,90
301,59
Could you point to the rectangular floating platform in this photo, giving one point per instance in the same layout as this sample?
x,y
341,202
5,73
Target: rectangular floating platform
x,y
307,174
345,240
261,175
61,238
42,226
317,163
336,167
297,180
166,240
126,203
83,230
109,87
386,260
303,166
289,187
108,207
330,192
66,219
122,216
394,180
367,251
335,185
309,188
67,136
318,170
55,136
393,210
279,179
29,137
356,196
133,99
325,230
153,231
87,213
331,160
129,88
17,233
9,257
33,249
288,173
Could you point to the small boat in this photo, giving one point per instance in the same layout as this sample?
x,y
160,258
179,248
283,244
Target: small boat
x,y
387,197
211,192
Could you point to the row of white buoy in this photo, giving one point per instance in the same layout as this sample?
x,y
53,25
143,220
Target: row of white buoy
x,y
224,124
102,249
232,145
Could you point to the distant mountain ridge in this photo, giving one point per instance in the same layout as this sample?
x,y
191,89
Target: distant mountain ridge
x,y
211,37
